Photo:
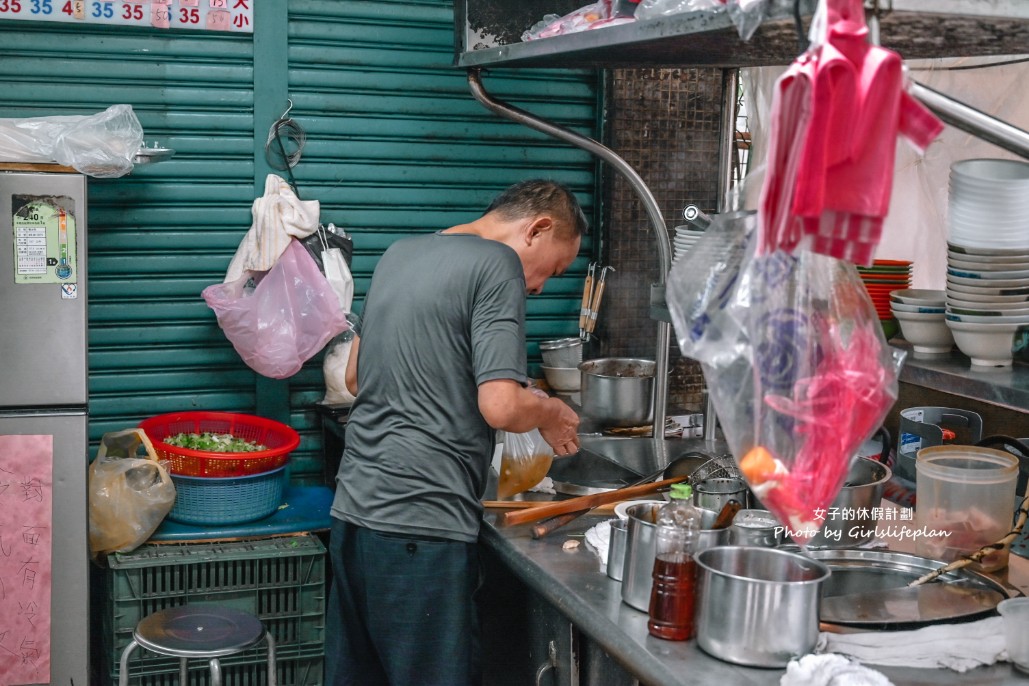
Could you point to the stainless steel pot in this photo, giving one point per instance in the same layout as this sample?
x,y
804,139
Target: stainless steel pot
x,y
641,549
757,606
849,521
618,391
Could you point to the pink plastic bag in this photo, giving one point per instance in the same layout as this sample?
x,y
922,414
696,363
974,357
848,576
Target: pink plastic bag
x,y
283,320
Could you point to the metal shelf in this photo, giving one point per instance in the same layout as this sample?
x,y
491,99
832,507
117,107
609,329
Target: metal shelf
x,y
951,28
1005,387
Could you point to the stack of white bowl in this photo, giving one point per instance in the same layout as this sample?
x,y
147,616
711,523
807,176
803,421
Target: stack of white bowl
x,y
988,258
921,313
685,238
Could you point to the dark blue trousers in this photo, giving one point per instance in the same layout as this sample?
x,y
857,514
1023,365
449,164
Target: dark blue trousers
x,y
401,610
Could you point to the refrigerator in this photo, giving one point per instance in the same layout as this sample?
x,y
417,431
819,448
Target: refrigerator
x,y
44,453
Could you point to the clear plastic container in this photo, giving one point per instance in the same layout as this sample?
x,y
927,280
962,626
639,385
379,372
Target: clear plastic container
x,y
673,594
965,500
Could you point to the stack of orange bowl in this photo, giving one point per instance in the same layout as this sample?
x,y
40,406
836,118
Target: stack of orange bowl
x,y
881,279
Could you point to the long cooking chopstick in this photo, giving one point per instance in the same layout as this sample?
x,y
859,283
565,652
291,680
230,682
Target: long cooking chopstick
x,y
584,502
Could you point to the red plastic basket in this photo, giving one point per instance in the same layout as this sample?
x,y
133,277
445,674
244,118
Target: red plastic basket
x,y
279,439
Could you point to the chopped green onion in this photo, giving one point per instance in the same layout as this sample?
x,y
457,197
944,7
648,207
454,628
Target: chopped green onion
x,y
214,443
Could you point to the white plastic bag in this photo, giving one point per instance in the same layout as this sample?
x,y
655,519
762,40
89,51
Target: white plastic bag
x,y
130,493
334,368
102,145
284,319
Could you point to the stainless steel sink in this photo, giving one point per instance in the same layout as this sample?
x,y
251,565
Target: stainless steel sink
x,y
588,472
607,462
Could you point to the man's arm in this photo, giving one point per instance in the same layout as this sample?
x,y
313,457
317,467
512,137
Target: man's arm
x,y
507,405
350,376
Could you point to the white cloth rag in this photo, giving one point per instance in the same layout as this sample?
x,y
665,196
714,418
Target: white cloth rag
x,y
959,647
830,670
599,537
279,215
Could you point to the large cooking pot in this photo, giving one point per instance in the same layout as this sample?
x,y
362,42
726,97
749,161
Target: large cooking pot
x,y
618,391
849,521
757,606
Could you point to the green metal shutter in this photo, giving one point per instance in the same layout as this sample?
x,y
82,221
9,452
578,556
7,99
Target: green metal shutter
x,y
395,145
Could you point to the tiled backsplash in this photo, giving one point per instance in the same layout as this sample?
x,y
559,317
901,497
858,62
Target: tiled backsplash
x,y
665,124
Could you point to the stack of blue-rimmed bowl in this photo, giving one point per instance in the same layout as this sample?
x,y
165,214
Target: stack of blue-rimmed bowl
x,y
988,259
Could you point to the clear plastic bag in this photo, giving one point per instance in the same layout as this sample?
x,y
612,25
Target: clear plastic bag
x,y
573,22
797,367
284,319
102,145
334,368
524,460
130,493
649,9
746,15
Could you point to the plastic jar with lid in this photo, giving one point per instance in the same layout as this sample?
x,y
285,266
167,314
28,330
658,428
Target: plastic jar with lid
x,y
965,500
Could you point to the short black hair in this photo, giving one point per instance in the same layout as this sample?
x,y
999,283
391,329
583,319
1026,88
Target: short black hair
x,y
541,196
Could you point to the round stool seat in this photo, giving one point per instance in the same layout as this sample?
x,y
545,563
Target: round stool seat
x,y
199,631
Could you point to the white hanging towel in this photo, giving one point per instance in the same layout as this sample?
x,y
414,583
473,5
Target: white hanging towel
x,y
279,215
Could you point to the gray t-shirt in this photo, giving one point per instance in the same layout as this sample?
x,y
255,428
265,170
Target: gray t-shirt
x,y
444,313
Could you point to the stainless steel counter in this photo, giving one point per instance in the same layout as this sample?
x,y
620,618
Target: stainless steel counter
x,y
573,582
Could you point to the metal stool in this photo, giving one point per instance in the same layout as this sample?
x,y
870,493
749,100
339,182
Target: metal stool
x,y
198,631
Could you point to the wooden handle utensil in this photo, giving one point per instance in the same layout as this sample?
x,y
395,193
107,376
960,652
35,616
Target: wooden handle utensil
x,y
587,298
584,502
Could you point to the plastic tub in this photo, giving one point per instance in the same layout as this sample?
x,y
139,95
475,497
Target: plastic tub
x,y
966,498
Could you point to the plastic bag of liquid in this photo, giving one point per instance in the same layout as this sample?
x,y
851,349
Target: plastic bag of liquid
x,y
524,461
279,319
130,493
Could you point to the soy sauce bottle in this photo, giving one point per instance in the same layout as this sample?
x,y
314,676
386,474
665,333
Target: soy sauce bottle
x,y
673,593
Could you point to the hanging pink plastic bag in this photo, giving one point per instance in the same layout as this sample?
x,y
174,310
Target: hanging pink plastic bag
x,y
279,319
798,369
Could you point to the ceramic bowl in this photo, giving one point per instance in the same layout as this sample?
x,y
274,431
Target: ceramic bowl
x,y
919,296
991,171
981,253
987,345
995,288
963,296
925,333
916,309
985,268
988,308
988,277
986,261
986,319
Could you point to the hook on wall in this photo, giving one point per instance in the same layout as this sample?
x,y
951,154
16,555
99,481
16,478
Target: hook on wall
x,y
285,115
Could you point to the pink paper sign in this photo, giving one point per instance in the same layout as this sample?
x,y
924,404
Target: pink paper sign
x,y
26,489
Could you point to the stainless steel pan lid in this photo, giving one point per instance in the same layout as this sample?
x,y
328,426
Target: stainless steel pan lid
x,y
867,589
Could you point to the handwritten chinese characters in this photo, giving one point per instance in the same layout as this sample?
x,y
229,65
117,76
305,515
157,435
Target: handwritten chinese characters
x,y
26,487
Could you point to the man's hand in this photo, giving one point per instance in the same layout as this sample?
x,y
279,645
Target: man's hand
x,y
561,429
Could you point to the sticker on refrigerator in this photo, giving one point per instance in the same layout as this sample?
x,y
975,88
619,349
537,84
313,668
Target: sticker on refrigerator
x,y
44,239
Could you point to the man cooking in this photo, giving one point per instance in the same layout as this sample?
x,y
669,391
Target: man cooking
x,y
438,368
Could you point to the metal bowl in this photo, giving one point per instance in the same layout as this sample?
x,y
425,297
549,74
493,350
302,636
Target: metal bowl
x,y
562,379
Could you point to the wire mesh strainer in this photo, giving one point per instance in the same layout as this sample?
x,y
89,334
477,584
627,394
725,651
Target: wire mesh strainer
x,y
722,467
